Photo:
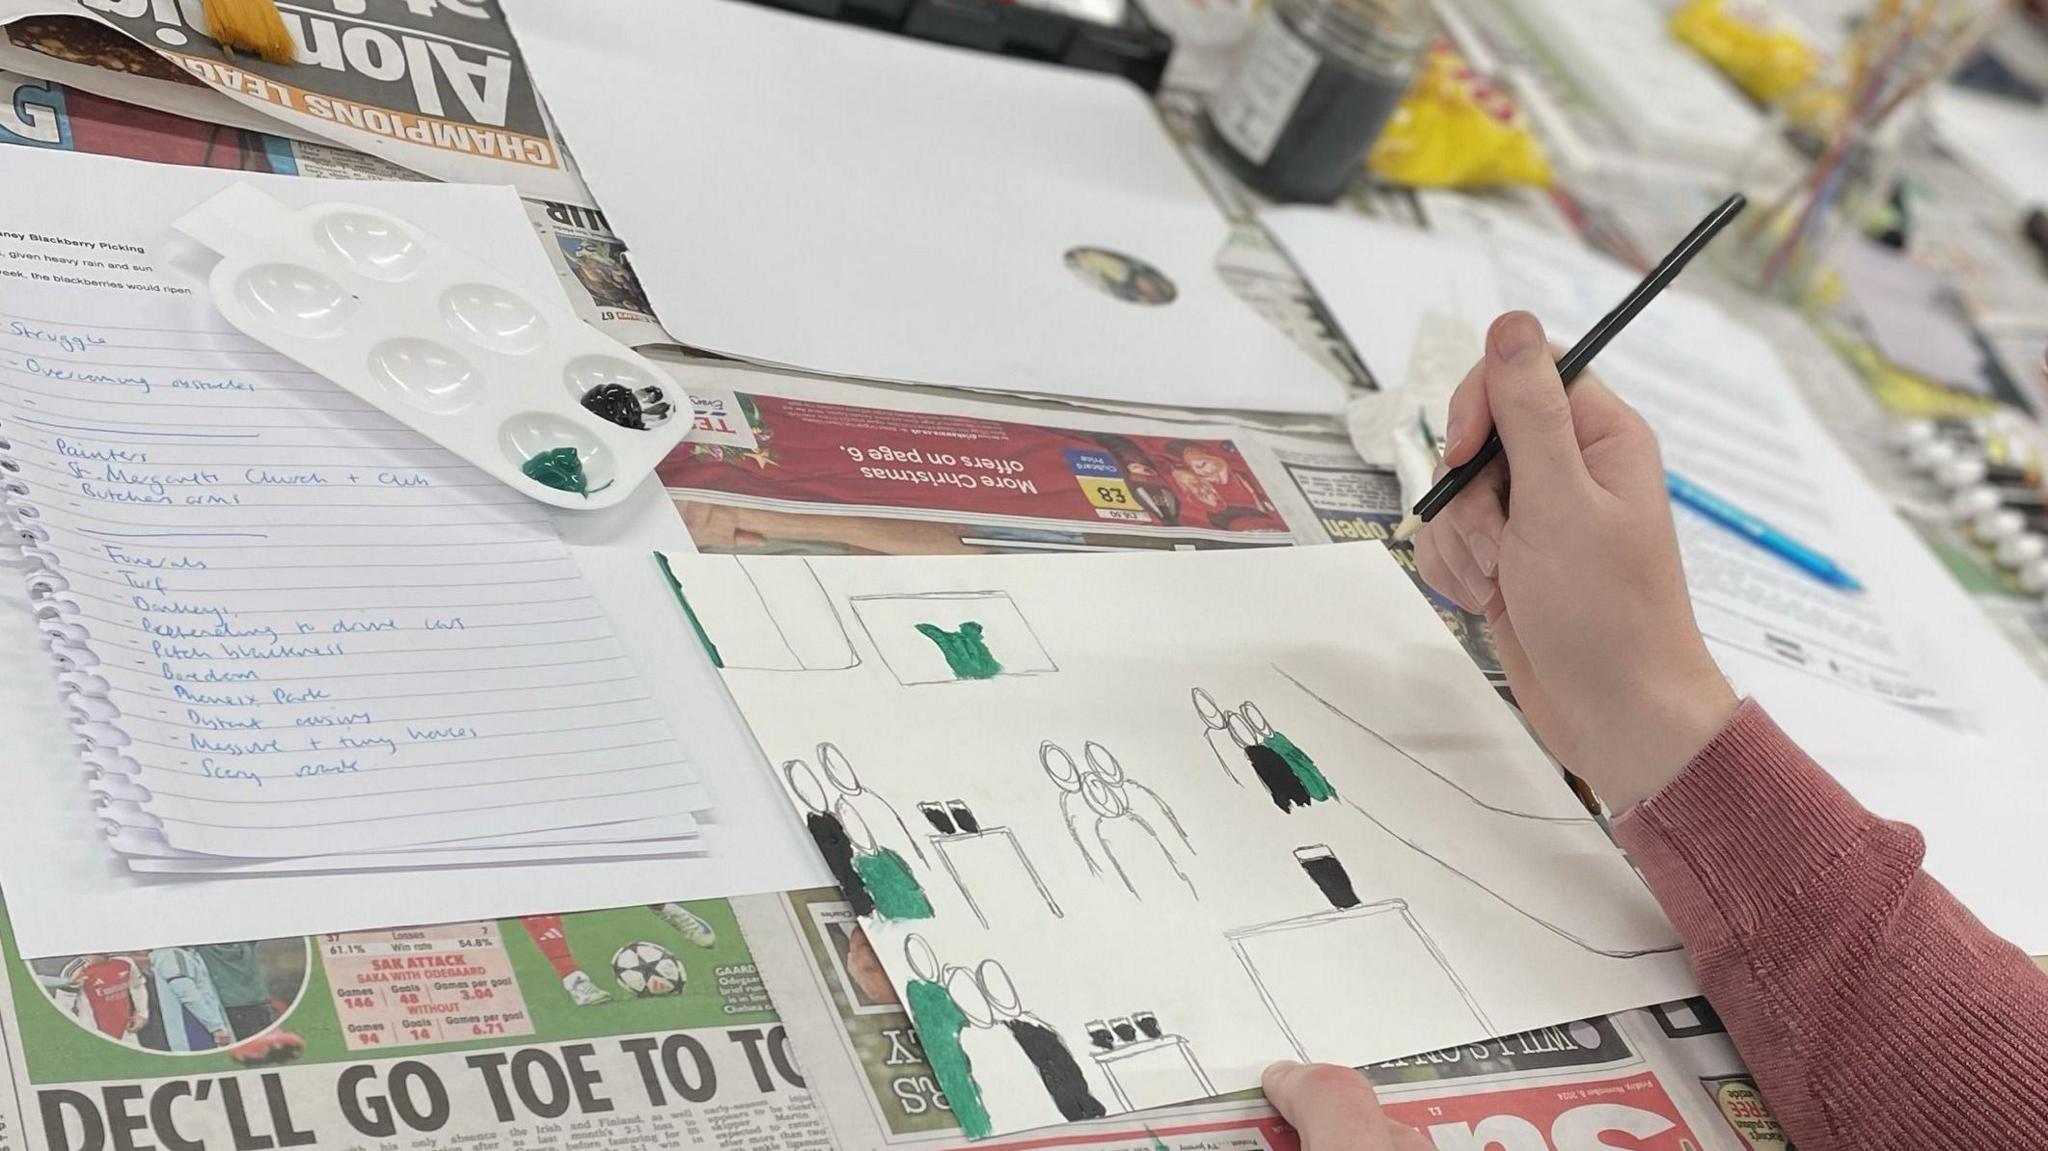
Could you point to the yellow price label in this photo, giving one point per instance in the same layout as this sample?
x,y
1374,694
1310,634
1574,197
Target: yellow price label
x,y
1113,494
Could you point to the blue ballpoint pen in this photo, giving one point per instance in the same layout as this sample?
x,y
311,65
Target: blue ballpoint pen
x,y
1706,503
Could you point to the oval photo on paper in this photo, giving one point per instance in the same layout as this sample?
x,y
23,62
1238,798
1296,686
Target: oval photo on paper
x,y
1125,277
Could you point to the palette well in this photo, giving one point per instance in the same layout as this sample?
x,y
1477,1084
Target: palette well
x,y
517,385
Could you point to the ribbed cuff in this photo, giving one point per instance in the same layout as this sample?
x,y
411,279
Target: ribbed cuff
x,y
1740,831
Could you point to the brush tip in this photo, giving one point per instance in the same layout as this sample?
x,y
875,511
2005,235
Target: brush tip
x,y
1409,527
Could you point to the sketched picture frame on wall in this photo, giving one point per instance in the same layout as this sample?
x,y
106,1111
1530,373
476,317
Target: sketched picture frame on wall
x,y
950,637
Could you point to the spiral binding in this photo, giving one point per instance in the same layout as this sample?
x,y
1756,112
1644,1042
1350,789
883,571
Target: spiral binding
x,y
120,800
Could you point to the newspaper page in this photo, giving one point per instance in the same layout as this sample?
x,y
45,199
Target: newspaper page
x,y
1580,1086
1706,1074
591,262
437,86
629,1028
843,469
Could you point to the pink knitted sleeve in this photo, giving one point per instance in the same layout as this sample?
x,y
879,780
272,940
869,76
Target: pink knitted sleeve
x,y
1873,1009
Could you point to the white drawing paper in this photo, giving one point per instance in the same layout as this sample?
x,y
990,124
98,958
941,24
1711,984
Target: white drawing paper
x,y
987,222
1250,806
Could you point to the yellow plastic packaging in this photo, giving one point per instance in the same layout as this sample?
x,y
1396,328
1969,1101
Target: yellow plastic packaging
x,y
1454,129
1765,57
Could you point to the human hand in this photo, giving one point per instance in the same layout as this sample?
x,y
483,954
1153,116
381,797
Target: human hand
x,y
1334,1109
1578,574
223,1038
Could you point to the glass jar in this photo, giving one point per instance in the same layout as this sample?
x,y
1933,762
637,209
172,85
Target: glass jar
x,y
1317,81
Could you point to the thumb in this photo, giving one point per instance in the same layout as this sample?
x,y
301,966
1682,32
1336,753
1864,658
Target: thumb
x,y
1333,1108
1529,406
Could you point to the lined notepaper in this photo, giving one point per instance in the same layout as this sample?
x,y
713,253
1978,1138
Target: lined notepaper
x,y
320,634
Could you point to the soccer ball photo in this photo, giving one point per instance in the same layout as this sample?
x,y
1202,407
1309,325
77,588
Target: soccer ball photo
x,y
648,969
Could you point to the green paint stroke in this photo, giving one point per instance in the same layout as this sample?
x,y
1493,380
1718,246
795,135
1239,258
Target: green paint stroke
x,y
965,651
1304,768
939,1022
696,625
560,469
896,892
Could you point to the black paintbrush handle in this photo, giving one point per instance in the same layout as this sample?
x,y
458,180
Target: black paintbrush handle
x,y
1446,489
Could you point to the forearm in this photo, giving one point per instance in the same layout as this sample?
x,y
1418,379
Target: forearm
x,y
1873,1009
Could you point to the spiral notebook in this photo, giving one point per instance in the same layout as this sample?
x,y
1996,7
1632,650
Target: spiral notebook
x,y
290,628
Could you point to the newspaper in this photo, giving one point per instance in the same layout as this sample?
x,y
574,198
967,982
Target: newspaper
x,y
1665,1079
841,468
635,1027
437,86
592,265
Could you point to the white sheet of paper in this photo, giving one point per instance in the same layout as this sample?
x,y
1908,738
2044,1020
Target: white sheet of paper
x,y
1830,667
1468,894
1390,275
69,892
2004,140
907,212
1666,97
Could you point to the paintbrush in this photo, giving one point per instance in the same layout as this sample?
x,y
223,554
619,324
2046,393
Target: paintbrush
x,y
1581,354
252,26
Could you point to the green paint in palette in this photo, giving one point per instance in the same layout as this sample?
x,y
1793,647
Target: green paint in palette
x,y
966,652
560,469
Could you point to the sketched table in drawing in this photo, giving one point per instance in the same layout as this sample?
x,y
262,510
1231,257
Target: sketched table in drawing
x,y
1153,1072
972,848
1291,962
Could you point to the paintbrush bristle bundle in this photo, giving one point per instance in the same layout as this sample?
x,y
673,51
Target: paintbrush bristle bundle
x,y
252,26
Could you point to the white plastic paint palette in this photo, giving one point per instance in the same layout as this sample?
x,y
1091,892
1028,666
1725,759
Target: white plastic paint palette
x,y
443,343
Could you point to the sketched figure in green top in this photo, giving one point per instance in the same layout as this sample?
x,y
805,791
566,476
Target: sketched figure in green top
x,y
965,651
1312,779
895,891
939,1022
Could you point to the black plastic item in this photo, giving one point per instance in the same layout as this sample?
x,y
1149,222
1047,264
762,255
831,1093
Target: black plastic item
x,y
1134,49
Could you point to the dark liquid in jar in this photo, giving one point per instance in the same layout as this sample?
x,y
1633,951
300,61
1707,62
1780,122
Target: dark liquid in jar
x,y
1320,150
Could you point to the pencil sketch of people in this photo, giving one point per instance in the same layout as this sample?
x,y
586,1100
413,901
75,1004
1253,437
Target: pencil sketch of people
x,y
1109,804
841,775
939,1022
1312,779
892,891
1066,775
1103,763
1282,785
828,831
1113,817
1042,1045
1216,733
